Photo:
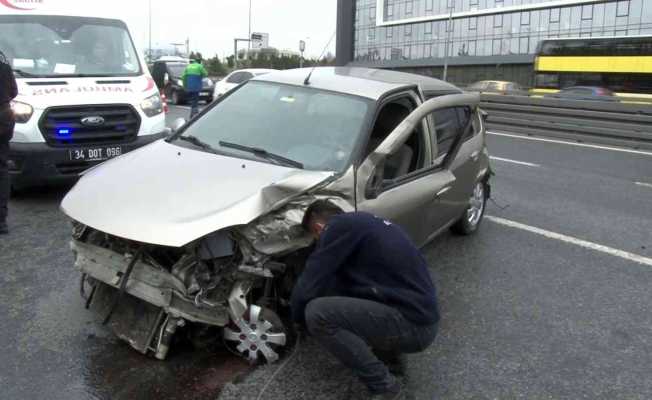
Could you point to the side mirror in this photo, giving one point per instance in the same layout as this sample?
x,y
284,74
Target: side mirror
x,y
178,124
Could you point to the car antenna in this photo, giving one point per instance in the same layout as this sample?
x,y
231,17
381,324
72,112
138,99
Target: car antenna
x,y
307,80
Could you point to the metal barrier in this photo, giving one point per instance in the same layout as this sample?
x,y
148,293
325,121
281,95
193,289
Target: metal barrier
x,y
612,123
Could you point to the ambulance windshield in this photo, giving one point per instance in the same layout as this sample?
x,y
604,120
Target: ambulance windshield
x,y
57,46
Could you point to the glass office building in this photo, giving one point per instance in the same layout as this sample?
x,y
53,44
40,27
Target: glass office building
x,y
478,39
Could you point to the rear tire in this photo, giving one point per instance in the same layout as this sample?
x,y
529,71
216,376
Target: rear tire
x,y
472,217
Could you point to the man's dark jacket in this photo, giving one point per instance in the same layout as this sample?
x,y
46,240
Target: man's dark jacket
x,y
363,256
8,92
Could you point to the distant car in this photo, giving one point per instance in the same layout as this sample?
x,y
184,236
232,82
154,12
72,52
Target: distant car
x,y
235,78
594,93
167,75
501,87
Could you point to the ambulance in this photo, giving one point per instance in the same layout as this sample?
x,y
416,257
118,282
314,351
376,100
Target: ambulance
x,y
85,94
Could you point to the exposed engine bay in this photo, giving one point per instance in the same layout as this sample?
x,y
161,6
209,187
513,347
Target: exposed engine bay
x,y
235,282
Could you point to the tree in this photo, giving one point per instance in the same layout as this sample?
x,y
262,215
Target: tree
x,y
214,67
196,56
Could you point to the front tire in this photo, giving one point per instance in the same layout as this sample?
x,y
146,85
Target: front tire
x,y
472,217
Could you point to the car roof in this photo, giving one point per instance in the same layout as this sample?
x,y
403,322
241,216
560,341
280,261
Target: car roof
x,y
364,82
254,70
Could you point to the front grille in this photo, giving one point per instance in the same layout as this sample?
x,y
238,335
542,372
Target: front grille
x,y
63,127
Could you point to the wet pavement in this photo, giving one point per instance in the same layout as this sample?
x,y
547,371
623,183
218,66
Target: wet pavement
x,y
524,316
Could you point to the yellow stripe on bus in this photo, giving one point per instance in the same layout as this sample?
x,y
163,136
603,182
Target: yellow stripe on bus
x,y
624,64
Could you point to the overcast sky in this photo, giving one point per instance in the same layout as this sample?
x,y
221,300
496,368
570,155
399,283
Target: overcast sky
x,y
211,25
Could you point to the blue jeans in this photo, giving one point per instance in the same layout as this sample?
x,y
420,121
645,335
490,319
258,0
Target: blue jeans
x,y
193,98
350,328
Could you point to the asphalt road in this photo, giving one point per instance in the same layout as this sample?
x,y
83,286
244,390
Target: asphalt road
x,y
547,301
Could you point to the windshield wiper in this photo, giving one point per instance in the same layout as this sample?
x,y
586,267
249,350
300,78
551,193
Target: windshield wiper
x,y
198,142
24,74
263,153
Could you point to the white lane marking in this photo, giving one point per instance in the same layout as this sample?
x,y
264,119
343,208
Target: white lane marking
x,y
573,240
644,184
594,146
514,161
184,107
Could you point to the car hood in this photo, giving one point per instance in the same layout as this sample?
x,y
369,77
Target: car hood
x,y
169,195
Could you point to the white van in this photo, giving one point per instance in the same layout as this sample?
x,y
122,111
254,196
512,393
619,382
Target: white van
x,y
85,94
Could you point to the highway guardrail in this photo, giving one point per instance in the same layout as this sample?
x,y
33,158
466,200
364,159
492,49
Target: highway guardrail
x,y
612,123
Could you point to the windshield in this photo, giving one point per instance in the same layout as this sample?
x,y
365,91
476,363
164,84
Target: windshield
x,y
55,46
316,128
177,69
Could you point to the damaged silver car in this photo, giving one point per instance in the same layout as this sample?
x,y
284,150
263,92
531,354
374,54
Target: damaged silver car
x,y
200,234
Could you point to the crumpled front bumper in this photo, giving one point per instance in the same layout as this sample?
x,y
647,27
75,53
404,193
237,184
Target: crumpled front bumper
x,y
147,283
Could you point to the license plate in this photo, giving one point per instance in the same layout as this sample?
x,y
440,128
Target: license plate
x,y
205,93
95,153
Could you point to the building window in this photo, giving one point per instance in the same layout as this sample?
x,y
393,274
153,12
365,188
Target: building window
x,y
429,5
473,2
523,45
428,28
389,32
372,35
372,13
554,15
525,18
408,30
472,47
498,20
622,9
496,47
499,3
390,10
473,23
587,12
409,6
450,4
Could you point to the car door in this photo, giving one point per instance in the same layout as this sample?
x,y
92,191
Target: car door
x,y
408,199
456,134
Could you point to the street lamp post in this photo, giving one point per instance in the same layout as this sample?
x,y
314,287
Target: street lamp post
x,y
302,48
249,46
448,44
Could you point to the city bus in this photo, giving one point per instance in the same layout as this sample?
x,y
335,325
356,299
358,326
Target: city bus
x,y
621,64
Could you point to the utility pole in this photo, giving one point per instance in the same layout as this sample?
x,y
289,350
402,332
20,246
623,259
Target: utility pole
x,y
448,45
249,46
187,47
150,31
302,48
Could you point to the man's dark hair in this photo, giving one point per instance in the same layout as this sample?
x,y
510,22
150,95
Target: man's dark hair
x,y
322,209
3,58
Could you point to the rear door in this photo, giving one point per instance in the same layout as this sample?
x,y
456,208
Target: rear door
x,y
457,138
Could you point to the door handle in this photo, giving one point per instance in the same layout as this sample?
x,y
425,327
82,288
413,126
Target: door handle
x,y
443,190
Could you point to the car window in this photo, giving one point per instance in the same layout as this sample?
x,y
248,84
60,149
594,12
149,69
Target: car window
x,y
477,86
411,156
464,114
236,77
316,128
447,127
493,86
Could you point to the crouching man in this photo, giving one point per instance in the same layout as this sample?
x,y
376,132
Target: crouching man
x,y
365,290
